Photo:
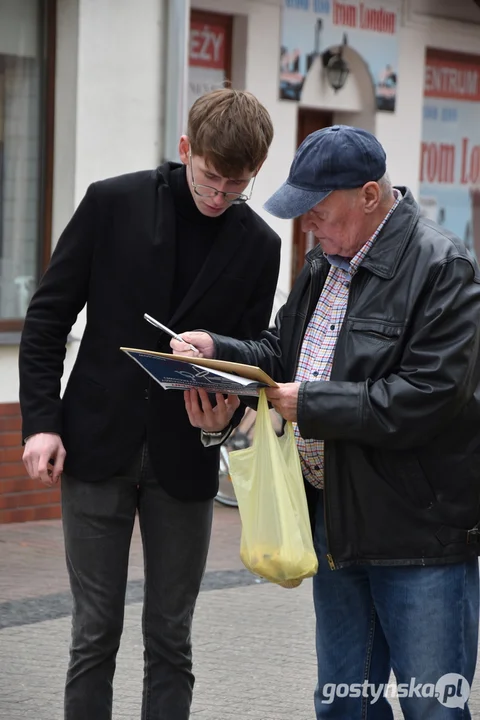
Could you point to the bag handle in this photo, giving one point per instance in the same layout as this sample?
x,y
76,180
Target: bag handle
x,y
263,421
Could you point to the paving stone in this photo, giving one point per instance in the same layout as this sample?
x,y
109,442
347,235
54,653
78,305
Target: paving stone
x,y
254,654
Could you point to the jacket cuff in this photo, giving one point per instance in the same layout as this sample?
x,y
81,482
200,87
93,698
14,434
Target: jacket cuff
x,y
330,410
34,428
212,440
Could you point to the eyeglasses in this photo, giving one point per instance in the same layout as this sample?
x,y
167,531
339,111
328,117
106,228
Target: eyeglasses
x,y
232,198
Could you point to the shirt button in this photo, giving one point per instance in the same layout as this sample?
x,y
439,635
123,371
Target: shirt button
x,y
146,393
332,327
315,374
317,467
347,284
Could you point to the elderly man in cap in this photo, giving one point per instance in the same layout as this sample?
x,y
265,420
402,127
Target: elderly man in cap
x,y
377,356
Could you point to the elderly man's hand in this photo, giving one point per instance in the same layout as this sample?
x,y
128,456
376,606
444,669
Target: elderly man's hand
x,y
202,341
284,399
201,413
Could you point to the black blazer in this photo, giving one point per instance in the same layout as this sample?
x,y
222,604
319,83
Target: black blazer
x,y
117,255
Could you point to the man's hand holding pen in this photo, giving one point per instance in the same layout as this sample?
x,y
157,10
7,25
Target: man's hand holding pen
x,y
190,344
202,341
284,397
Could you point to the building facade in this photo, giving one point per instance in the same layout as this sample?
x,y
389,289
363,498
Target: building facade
x,y
95,88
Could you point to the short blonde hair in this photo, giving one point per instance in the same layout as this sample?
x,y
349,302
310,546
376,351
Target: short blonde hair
x,y
231,129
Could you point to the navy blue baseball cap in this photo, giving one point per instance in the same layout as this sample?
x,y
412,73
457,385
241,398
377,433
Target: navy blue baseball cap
x,y
335,158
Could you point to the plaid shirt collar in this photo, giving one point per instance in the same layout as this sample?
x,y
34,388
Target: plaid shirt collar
x,y
351,265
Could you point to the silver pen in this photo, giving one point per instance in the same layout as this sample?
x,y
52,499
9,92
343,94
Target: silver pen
x,y
159,325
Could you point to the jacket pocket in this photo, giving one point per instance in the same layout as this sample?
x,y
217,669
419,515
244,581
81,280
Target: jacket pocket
x,y
421,491
403,472
378,331
85,392
369,348
87,414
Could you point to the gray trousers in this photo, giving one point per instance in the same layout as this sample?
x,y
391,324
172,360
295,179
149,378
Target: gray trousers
x,y
98,520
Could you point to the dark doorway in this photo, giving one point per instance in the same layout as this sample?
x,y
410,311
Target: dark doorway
x,y
308,121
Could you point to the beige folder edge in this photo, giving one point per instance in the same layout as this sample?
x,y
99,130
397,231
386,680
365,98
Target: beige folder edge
x,y
251,372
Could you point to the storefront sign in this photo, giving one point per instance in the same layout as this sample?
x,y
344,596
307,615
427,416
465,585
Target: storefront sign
x,y
208,56
207,46
310,27
450,151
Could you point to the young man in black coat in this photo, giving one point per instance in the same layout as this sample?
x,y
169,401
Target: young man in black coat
x,y
181,244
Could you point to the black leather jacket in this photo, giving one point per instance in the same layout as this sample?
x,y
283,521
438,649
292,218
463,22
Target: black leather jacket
x,y
400,416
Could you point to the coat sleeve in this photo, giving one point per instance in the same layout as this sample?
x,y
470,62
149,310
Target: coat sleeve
x,y
437,375
264,353
268,350
61,295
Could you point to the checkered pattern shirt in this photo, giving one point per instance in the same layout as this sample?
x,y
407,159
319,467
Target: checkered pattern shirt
x,y
320,339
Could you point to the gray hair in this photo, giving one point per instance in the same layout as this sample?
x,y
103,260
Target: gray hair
x,y
385,186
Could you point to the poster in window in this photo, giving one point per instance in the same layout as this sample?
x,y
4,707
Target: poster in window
x,y
450,149
209,54
309,27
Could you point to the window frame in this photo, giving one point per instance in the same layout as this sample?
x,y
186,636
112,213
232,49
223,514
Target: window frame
x,y
48,33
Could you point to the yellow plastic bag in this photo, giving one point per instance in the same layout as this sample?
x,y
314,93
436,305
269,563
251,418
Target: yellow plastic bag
x,y
276,534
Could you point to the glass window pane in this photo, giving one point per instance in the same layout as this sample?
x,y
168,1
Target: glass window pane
x,y
20,153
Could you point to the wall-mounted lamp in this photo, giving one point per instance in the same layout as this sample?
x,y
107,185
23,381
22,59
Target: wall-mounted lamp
x,y
336,67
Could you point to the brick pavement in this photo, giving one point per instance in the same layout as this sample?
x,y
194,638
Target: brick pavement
x,y
253,643
32,561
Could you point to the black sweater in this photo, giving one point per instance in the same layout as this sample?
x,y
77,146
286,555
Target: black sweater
x,y
195,235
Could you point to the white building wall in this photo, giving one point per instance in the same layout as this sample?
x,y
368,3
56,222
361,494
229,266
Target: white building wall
x,y
119,88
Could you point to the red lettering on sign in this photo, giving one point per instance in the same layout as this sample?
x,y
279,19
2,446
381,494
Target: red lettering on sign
x,y
207,45
378,20
344,14
437,163
470,166
450,79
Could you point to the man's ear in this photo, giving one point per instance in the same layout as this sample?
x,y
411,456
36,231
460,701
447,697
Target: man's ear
x,y
184,149
372,196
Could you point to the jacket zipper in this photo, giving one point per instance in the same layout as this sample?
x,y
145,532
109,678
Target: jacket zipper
x,y
330,560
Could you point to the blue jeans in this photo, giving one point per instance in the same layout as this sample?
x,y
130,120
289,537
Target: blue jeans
x,y
420,622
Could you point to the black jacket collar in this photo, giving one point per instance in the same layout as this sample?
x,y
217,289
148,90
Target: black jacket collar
x,y
229,242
